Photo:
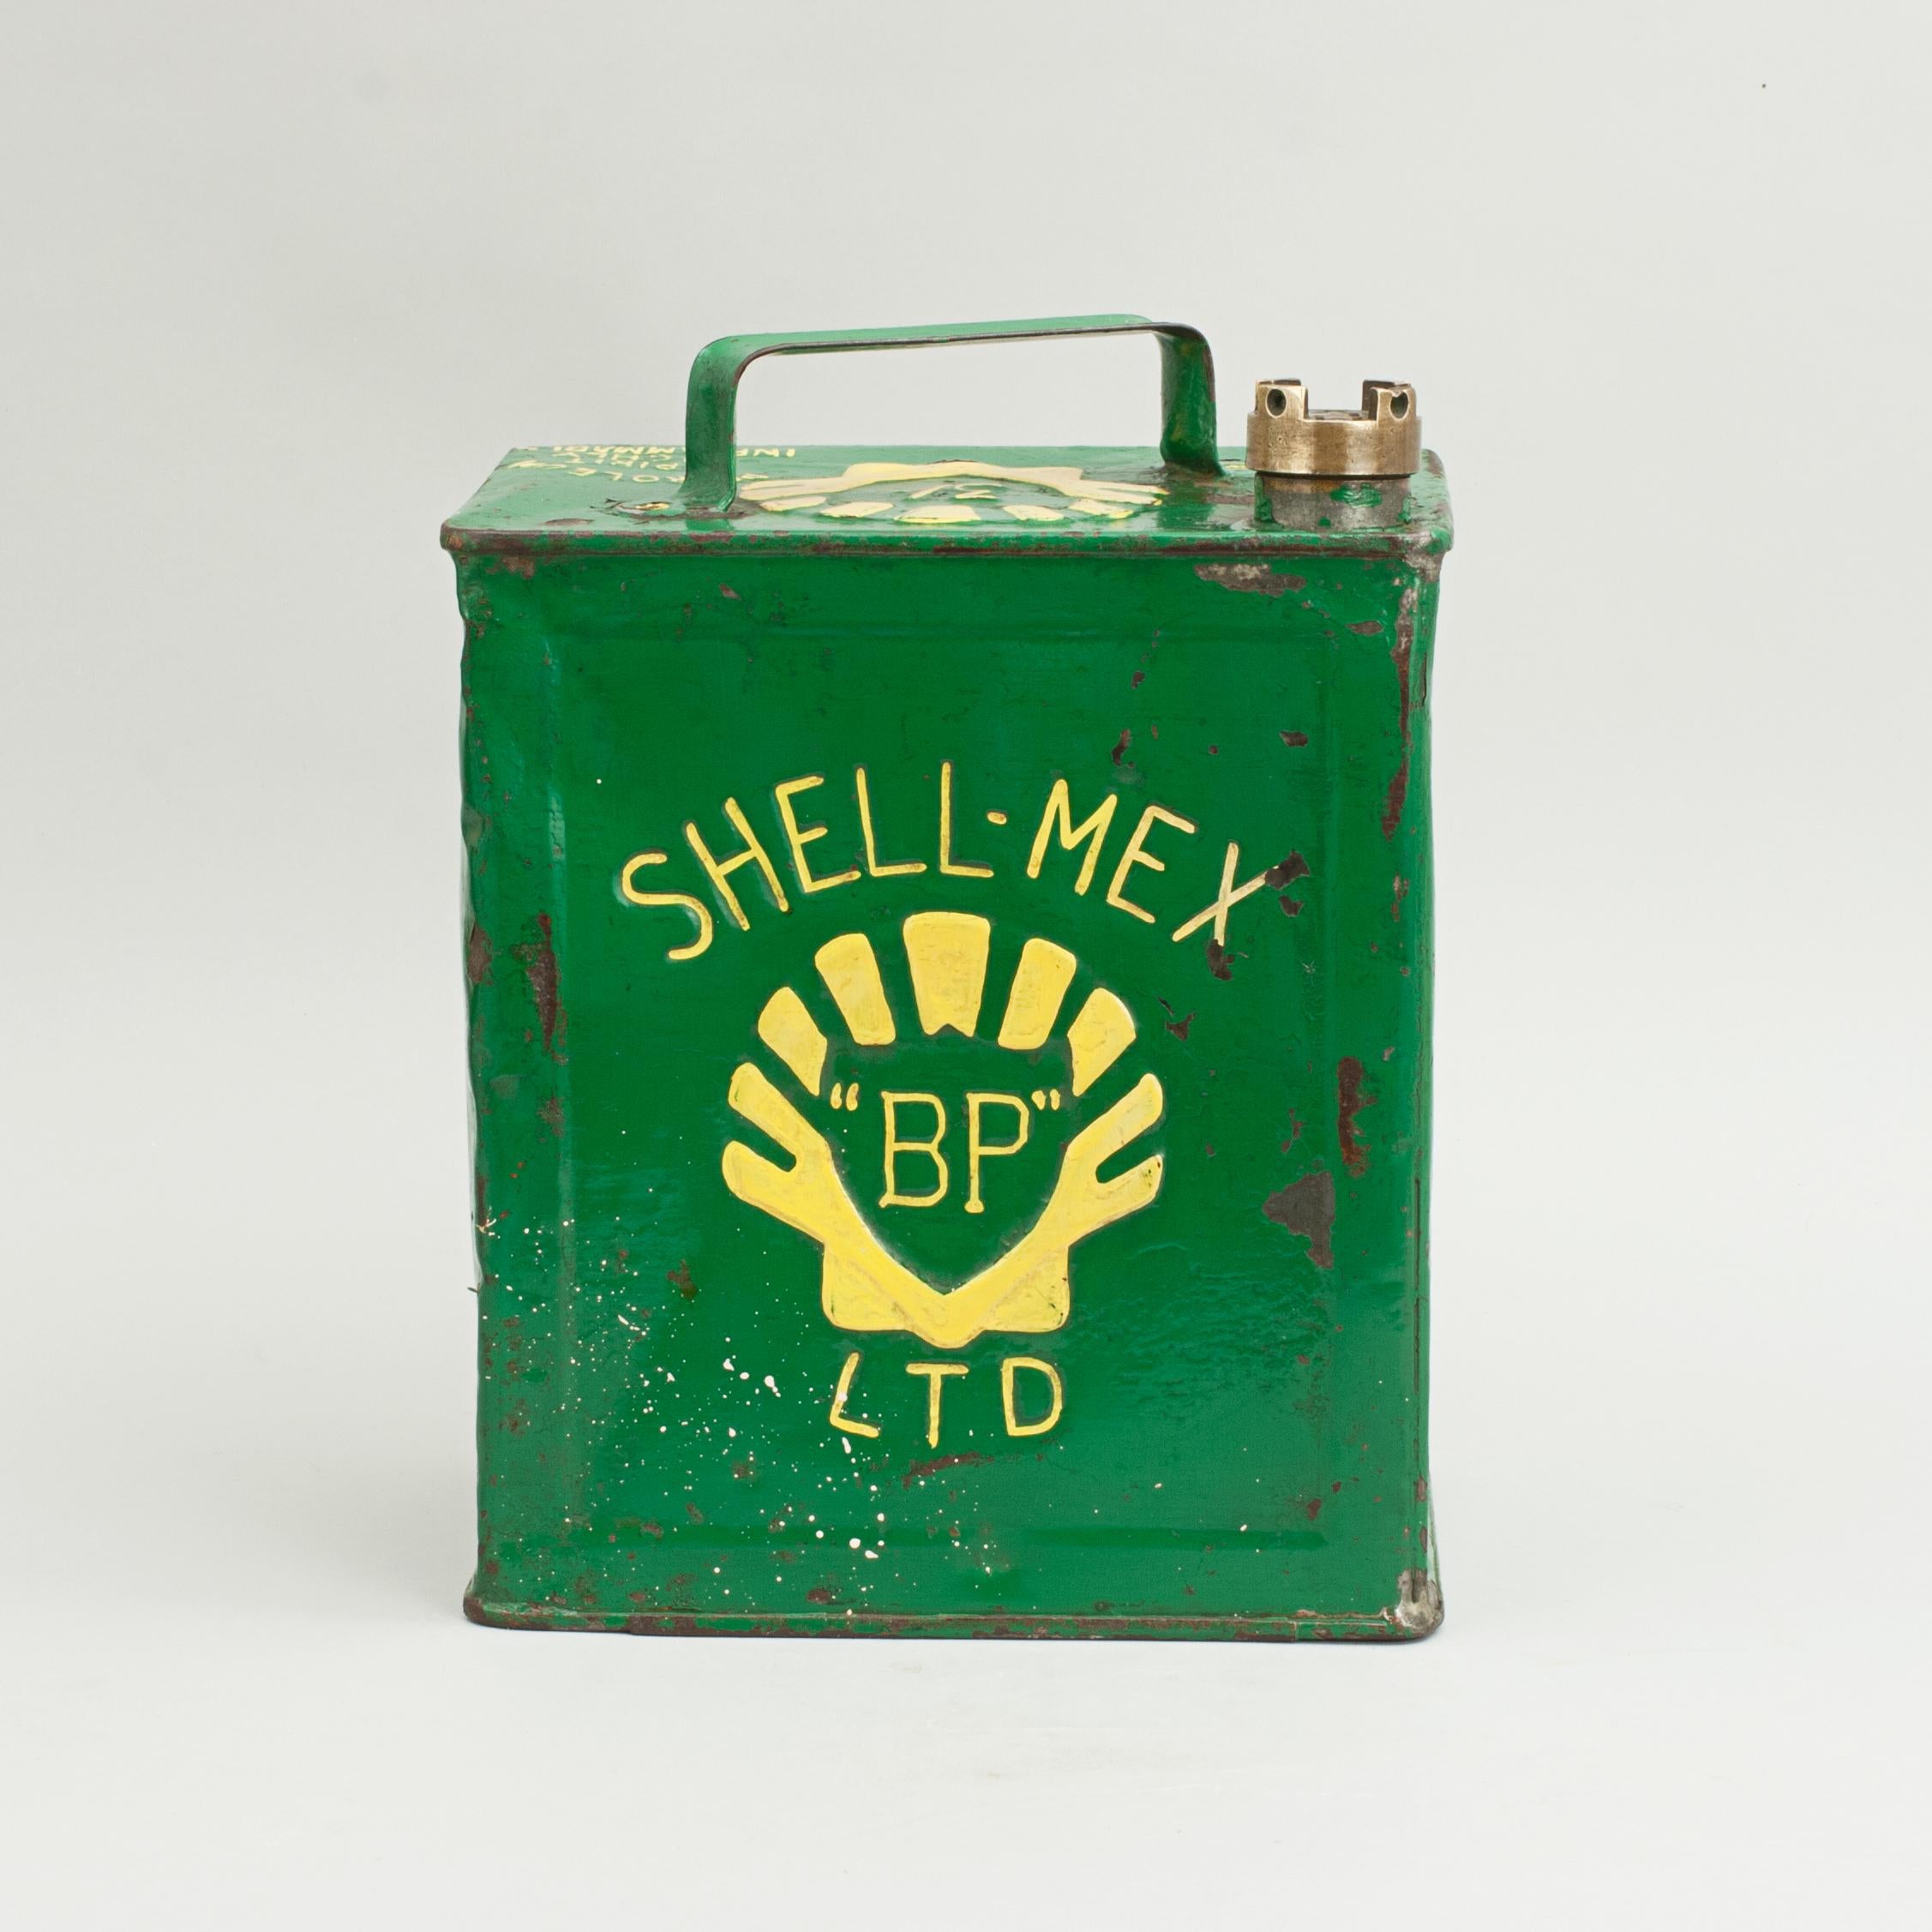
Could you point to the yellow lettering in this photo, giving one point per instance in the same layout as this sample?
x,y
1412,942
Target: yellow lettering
x,y
1060,802
872,865
930,1149
799,837
839,1418
1230,895
1134,856
976,1149
696,908
1008,1370
753,852
961,870
935,1374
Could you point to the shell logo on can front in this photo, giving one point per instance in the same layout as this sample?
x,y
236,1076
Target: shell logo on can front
x,y
1024,1289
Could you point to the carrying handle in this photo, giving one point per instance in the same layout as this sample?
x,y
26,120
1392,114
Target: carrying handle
x,y
710,467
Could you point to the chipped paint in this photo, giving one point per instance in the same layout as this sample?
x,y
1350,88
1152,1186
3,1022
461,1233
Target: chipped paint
x,y
538,959
1285,874
1256,580
1401,654
1306,1206
916,1472
1349,1102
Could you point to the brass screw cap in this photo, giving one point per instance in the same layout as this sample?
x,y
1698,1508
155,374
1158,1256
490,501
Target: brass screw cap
x,y
1383,438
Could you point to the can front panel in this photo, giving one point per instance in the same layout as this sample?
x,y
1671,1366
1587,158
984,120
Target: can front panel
x,y
949,1043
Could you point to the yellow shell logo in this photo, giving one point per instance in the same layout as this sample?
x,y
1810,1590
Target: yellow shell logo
x,y
1025,1290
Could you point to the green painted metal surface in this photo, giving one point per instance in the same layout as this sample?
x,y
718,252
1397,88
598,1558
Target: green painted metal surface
x,y
893,1218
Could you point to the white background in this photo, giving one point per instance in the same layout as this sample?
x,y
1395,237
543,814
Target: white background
x,y
281,282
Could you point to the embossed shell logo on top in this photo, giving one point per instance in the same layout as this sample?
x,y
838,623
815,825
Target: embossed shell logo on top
x,y
963,490
1024,1289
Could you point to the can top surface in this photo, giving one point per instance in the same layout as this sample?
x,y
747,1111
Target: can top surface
x,y
582,497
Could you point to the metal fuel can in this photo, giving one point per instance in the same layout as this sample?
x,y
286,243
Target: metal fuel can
x,y
948,959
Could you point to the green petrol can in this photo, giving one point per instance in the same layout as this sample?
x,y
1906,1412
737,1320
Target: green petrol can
x,y
949,958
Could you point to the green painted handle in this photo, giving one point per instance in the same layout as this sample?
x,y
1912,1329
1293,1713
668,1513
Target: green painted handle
x,y
710,468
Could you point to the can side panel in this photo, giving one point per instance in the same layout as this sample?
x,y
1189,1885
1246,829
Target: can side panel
x,y
530,1451
1240,1443
1414,839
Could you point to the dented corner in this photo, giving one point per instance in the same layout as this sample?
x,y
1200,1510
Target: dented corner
x,y
1417,1611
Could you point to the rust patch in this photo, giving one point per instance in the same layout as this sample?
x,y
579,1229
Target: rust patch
x,y
1371,629
539,961
1401,893
551,1114
1349,1101
691,1511
1258,580
1120,748
478,956
680,1279
1306,1206
1405,642
653,1528
1177,1027
820,1594
509,1332
1218,958
1294,740
915,1470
